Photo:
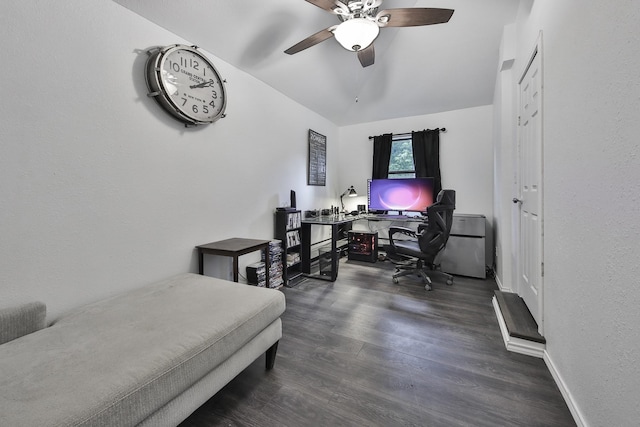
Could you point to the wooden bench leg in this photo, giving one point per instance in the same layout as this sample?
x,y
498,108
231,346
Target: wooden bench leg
x,y
271,355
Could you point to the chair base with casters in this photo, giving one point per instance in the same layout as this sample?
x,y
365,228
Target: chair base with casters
x,y
414,266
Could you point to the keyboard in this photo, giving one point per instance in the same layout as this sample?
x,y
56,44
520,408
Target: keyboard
x,y
391,216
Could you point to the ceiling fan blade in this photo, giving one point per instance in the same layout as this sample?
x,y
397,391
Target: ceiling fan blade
x,y
413,17
367,56
312,40
328,5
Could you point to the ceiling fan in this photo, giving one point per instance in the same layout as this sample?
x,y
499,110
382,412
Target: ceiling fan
x,y
361,22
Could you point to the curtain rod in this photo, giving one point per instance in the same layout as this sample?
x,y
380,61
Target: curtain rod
x,y
409,133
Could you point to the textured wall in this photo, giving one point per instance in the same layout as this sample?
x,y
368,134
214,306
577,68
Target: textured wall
x,y
101,191
591,199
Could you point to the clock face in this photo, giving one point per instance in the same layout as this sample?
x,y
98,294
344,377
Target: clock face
x,y
187,84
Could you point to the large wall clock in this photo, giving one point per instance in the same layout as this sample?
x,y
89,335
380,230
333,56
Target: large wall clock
x,y
186,84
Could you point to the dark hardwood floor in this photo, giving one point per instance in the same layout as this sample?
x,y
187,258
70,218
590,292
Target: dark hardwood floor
x,y
363,351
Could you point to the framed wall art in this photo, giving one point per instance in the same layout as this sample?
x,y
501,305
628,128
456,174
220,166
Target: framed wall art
x,y
317,172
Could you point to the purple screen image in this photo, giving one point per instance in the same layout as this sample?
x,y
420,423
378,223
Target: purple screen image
x,y
402,194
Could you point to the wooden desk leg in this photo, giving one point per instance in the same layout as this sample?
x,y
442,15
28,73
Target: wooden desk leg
x,y
235,268
200,262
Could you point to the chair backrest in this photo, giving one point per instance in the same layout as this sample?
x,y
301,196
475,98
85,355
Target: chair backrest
x,y
435,235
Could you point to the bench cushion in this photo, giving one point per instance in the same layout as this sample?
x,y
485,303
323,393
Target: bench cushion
x,y
21,320
116,361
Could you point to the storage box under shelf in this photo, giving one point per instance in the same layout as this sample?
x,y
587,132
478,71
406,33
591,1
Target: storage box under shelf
x,y
257,274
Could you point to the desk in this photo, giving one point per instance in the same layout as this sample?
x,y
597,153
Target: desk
x,y
382,223
234,247
333,221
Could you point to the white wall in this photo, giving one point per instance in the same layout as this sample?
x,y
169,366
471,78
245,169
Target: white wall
x,y
591,100
466,157
101,191
504,150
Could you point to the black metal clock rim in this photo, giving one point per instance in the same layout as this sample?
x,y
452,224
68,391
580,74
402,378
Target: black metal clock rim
x,y
156,84
158,69
194,50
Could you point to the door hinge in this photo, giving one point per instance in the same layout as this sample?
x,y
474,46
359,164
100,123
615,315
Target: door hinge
x,y
518,120
542,269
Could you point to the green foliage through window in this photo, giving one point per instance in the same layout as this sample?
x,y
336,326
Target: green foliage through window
x,y
401,163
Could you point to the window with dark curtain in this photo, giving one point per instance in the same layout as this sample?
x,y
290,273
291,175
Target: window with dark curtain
x,y
426,155
381,155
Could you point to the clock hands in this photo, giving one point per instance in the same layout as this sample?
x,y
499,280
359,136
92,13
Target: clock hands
x,y
203,84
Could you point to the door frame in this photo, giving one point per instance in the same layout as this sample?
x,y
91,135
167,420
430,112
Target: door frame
x,y
536,51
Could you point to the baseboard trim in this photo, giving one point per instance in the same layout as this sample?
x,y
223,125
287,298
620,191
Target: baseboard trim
x,y
517,345
568,398
498,281
501,285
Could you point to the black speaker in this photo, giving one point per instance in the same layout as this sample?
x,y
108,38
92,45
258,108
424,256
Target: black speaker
x,y
362,208
293,199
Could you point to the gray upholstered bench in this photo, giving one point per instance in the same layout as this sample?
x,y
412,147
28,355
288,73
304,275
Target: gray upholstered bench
x,y
150,356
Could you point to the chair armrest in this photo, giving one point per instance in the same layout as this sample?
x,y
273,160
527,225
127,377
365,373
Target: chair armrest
x,y
21,320
400,230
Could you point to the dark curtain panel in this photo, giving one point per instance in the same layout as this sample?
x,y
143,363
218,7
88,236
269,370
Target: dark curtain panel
x,y
426,156
381,155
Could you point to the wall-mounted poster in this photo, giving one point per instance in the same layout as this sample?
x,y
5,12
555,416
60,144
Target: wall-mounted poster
x,y
317,159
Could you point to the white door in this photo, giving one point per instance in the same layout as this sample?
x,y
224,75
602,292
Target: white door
x,y
529,200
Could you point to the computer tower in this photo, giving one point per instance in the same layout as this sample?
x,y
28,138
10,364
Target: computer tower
x,y
363,246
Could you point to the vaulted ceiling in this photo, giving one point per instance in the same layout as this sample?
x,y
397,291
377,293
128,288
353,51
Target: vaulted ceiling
x,y
417,70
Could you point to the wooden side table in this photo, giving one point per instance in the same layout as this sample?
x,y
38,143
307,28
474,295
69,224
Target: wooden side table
x,y
234,247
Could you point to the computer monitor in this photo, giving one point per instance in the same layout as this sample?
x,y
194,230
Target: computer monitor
x,y
400,194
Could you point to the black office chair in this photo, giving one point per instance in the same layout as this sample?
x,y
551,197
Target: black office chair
x,y
423,251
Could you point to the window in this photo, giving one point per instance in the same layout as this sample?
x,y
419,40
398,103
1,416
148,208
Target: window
x,y
401,164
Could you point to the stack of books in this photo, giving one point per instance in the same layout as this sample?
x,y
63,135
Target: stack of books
x,y
293,258
275,267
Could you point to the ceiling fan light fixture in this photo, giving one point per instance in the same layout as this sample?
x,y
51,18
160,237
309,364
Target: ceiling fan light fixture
x,y
356,34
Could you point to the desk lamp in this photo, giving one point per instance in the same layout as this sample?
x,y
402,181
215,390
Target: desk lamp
x,y
351,192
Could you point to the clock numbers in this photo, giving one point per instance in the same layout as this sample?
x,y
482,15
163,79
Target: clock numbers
x,y
185,64
189,63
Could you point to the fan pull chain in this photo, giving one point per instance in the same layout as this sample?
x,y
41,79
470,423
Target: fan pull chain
x,y
358,84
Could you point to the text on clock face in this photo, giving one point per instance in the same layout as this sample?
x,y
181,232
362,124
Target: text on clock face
x,y
193,77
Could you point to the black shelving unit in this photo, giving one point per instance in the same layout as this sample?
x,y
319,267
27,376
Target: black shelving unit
x,y
288,223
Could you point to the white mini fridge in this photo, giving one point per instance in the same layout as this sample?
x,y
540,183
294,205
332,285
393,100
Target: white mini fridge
x,y
465,251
